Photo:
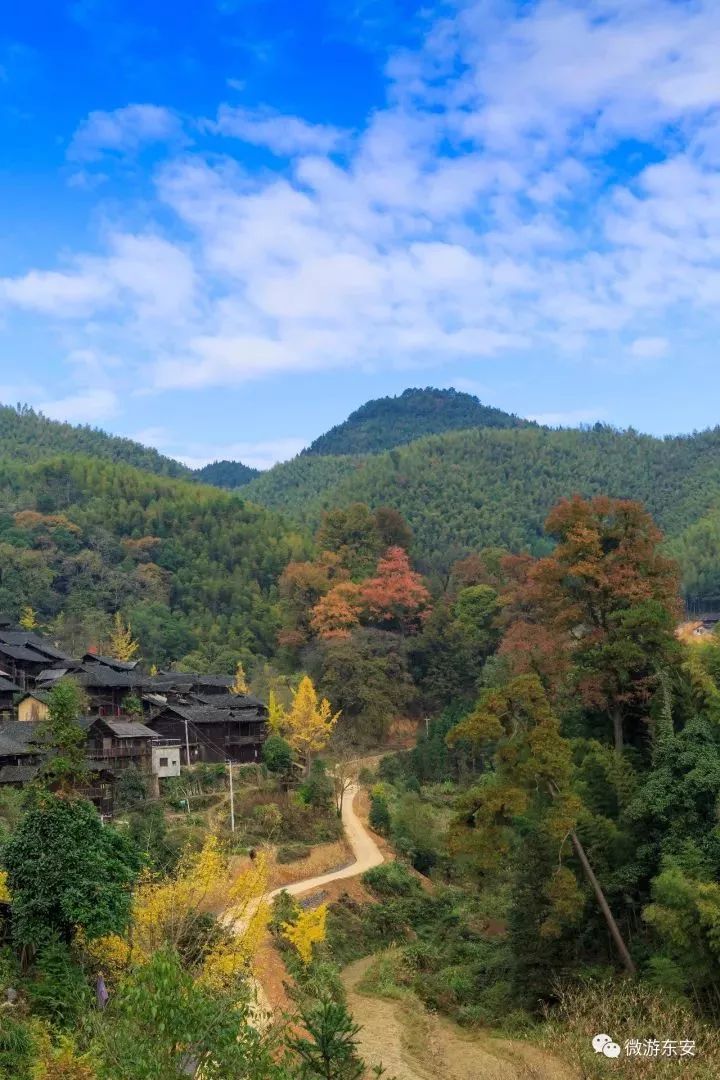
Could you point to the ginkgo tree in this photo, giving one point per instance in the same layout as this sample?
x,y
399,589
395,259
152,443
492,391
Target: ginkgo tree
x,y
122,644
308,723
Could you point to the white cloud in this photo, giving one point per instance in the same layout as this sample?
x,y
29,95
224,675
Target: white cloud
x,y
284,135
123,131
649,348
259,455
84,407
543,179
570,418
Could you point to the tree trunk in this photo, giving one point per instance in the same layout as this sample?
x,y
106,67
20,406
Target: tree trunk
x,y
617,937
617,722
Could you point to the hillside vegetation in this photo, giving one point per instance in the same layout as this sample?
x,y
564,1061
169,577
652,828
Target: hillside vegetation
x,y
194,568
472,489
393,421
226,474
30,436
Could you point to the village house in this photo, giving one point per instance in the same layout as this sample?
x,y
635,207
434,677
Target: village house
x,y
233,731
32,705
181,712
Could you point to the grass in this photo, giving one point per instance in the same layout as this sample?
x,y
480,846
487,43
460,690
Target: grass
x,y
627,1010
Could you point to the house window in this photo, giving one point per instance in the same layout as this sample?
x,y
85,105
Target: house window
x,y
163,762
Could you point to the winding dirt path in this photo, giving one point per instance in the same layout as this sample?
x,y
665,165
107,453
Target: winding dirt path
x,y
411,1043
367,853
414,1044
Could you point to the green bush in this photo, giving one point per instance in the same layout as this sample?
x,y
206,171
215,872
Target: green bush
x,y
391,879
317,791
284,910
379,816
58,989
288,853
17,1048
277,754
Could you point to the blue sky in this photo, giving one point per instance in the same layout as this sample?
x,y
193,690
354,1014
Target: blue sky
x,y
225,225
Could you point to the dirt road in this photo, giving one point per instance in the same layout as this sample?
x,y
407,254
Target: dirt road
x,y
367,853
412,1044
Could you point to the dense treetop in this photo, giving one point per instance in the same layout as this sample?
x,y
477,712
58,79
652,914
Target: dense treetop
x,y
471,489
392,421
30,436
226,474
193,568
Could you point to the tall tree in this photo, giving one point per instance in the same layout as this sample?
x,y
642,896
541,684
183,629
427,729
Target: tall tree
x,y
532,775
67,872
595,619
396,598
309,722
64,737
122,644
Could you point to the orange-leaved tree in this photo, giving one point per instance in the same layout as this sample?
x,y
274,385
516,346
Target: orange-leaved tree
x,y
396,598
595,619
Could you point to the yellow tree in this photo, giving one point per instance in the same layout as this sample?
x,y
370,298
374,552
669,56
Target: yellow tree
x,y
307,930
276,714
240,685
122,644
172,912
28,618
308,723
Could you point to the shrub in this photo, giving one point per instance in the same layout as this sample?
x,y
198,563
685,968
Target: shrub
x,y
17,1048
268,817
317,790
288,853
391,879
284,910
58,990
379,816
277,754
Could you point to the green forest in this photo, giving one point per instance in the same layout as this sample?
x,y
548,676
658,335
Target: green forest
x,y
194,569
471,489
386,422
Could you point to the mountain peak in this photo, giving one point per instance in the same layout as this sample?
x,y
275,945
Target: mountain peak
x,y
387,422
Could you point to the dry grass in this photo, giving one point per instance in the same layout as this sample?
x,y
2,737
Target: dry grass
x,y
322,859
626,1011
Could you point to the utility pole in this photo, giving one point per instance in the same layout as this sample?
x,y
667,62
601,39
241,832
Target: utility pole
x,y
232,798
187,743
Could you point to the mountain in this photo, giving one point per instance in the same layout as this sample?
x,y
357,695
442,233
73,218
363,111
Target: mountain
x,y
192,567
226,474
29,436
393,421
469,489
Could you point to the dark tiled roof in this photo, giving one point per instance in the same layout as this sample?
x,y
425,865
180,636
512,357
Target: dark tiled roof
x,y
41,695
8,686
18,774
110,661
21,652
184,680
98,675
51,674
128,729
18,736
229,701
35,641
202,714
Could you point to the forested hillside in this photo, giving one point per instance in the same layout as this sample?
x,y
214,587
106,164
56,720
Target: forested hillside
x,y
30,436
393,421
472,489
226,474
193,568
